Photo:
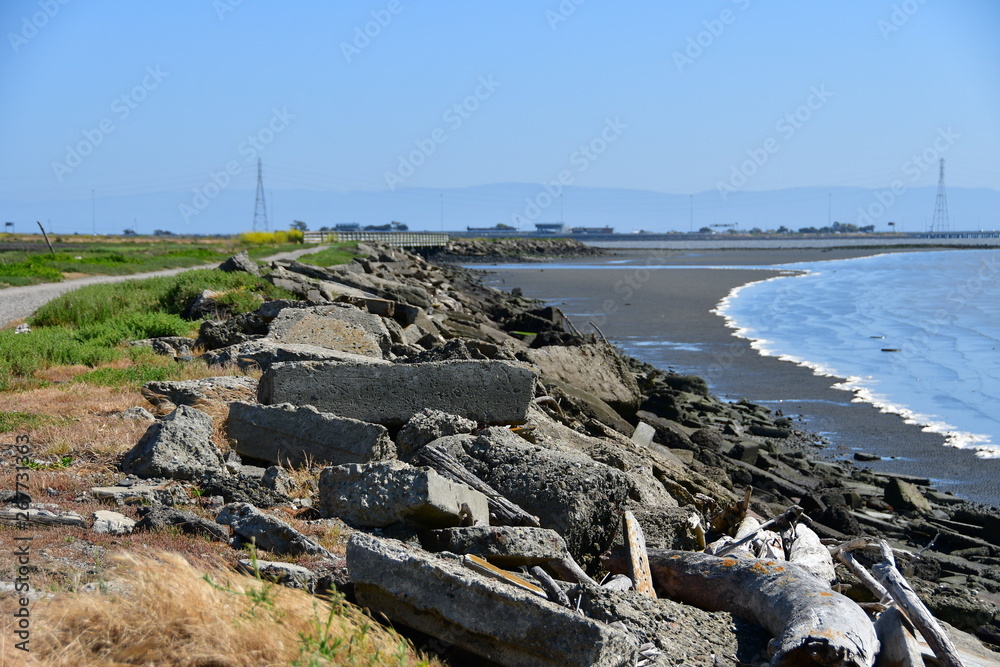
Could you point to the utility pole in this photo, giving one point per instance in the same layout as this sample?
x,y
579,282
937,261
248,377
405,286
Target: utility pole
x,y
940,221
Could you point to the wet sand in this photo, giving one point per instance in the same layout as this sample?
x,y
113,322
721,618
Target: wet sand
x,y
632,304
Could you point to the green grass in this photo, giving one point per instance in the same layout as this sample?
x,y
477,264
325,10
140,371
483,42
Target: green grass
x,y
89,326
133,376
337,253
23,421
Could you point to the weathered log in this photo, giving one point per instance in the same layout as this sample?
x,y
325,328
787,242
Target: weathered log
x,y
859,570
635,542
809,552
812,624
569,570
732,516
914,609
790,516
503,512
899,647
552,590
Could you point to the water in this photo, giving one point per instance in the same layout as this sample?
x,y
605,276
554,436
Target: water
x,y
915,334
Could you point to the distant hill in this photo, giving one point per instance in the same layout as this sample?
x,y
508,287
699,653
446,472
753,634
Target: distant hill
x,y
516,204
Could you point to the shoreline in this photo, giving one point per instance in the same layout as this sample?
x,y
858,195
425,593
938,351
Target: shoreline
x,y
671,321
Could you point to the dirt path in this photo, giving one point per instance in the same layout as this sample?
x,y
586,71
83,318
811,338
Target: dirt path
x,y
17,303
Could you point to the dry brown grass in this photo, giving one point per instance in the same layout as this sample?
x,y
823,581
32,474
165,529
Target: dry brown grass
x,y
173,613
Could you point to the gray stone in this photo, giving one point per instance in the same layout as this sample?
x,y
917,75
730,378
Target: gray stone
x,y
337,327
301,286
168,394
428,425
905,497
568,492
493,392
178,447
505,546
267,532
438,596
137,412
380,494
286,574
112,523
159,518
240,262
595,368
643,434
278,480
287,435
158,494
369,283
263,353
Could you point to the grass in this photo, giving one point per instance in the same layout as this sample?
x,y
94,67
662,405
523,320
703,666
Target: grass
x,y
337,253
20,422
159,608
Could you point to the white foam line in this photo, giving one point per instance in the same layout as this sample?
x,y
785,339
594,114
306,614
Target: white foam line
x,y
980,445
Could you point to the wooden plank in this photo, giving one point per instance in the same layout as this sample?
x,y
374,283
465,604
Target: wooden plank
x,y
477,564
635,544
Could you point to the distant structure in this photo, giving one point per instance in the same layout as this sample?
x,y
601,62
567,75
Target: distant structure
x,y
260,206
940,221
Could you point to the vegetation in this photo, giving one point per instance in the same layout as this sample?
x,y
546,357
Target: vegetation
x,y
337,253
271,238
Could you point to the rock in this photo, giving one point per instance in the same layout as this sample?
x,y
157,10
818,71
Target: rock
x,y
597,369
240,262
158,494
301,286
368,284
262,353
504,546
380,494
171,346
291,436
428,425
285,574
243,488
159,518
440,597
548,484
905,497
337,327
138,413
643,434
769,431
267,532
206,306
241,328
492,392
112,523
168,394
278,480
178,447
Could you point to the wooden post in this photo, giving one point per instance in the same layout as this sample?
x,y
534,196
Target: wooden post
x,y
46,237
635,542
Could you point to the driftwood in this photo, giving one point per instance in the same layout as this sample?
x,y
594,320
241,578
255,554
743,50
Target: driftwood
x,y
617,582
552,590
809,552
784,521
503,512
915,610
812,624
731,517
485,568
859,570
899,646
635,543
569,570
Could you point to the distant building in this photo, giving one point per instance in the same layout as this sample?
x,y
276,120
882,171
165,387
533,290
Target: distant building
x,y
550,228
592,230
347,227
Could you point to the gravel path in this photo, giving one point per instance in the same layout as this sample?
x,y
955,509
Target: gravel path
x,y
17,303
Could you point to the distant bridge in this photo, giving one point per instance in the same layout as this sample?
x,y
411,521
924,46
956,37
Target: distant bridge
x,y
397,239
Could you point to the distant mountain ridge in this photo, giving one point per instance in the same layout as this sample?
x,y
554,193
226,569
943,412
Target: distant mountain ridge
x,y
517,204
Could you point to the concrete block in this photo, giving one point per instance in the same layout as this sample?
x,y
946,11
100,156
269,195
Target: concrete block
x,y
112,523
380,494
178,447
292,436
440,597
337,327
596,369
506,546
643,434
263,353
487,391
266,531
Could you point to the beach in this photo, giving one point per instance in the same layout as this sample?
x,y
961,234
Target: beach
x,y
665,317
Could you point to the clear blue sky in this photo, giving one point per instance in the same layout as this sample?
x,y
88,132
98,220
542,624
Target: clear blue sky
x,y
339,111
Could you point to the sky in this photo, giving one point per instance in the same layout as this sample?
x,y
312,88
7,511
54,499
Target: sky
x,y
408,100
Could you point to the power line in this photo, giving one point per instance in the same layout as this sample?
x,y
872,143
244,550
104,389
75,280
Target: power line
x,y
260,206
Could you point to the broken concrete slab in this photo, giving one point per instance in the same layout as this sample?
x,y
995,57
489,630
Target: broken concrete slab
x,y
42,516
493,392
546,483
594,368
286,574
428,425
337,327
906,497
159,518
240,262
262,353
267,532
178,447
155,494
112,523
380,494
168,394
292,436
506,546
643,434
438,596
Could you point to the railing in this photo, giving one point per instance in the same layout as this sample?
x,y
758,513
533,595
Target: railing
x,y
399,239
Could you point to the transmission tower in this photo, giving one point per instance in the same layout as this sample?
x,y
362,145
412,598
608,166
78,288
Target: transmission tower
x,y
940,221
260,207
